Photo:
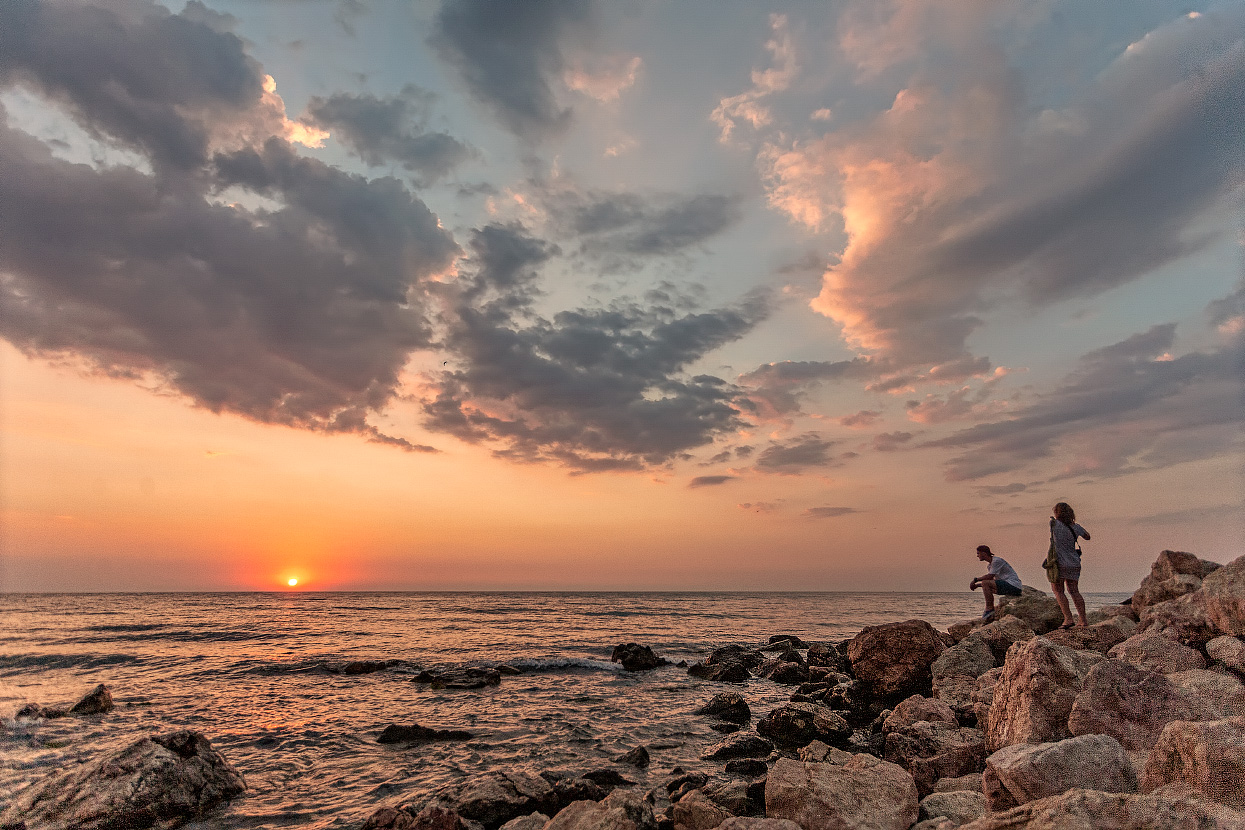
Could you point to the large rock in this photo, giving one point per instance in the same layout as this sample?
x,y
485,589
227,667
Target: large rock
x,y
695,811
727,706
1151,651
1100,637
1206,757
724,671
1081,809
893,660
918,708
756,823
635,657
1022,773
1035,692
434,817
1034,608
620,810
959,806
863,794
96,702
1186,619
1001,634
158,781
738,746
1229,651
1132,705
496,797
930,751
396,733
970,657
1222,693
1224,590
1173,574
794,725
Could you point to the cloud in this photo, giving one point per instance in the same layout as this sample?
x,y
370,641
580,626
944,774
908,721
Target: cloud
x,y
796,455
758,506
709,481
748,106
777,388
863,418
603,77
301,312
1001,489
590,389
393,128
828,512
891,441
510,56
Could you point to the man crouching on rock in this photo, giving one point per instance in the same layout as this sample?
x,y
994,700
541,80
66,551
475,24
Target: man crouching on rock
x,y
1000,579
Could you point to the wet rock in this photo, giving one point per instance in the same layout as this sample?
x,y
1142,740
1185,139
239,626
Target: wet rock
x,y
620,810
636,757
685,783
397,734
1225,597
723,672
735,797
739,746
959,806
1185,619
1034,608
791,639
1207,758
1022,773
508,671
96,702
917,708
930,751
1131,705
748,657
1035,692
1081,809
784,671
33,711
635,657
825,655
725,727
356,667
796,724
158,781
496,797
1229,651
893,660
1100,637
864,794
695,811
852,700
747,767
470,678
727,706
1151,651
608,778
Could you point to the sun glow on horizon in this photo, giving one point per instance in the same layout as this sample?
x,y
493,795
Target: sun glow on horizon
x,y
292,581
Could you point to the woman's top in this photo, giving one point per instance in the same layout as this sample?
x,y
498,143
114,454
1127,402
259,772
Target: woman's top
x,y
1065,542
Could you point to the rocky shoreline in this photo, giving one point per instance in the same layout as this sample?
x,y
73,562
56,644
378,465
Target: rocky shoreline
x,y
1136,721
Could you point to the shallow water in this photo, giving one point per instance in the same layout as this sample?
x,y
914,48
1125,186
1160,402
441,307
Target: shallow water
x,y
248,670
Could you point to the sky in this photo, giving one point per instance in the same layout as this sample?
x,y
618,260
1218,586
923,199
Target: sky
x,y
627,295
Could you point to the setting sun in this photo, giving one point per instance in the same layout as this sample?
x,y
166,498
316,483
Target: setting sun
x,y
292,582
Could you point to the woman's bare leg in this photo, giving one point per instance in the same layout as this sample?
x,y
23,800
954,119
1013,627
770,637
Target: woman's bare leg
x,y
1062,599
1077,599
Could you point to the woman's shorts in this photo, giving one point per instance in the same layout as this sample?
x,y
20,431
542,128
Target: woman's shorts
x,y
1006,589
1070,573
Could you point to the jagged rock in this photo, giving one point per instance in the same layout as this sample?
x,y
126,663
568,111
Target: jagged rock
x,y
791,639
796,724
1081,809
863,794
1035,692
620,810
747,767
959,630
1185,619
1223,694
532,821
918,708
608,778
678,787
1002,634
970,657
1022,773
396,734
1207,757
734,797
823,753
969,783
825,655
635,657
1131,705
738,746
1106,612
96,702
636,757
496,797
757,823
1224,590
723,672
749,657
1034,608
1229,651
1172,575
959,806
1100,637
929,751
1151,651
432,817
894,660
852,700
695,811
727,706
569,790
158,781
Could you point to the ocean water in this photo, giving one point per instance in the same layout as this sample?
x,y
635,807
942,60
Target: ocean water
x,y
250,672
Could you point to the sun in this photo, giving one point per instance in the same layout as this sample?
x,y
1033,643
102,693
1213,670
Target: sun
x,y
292,582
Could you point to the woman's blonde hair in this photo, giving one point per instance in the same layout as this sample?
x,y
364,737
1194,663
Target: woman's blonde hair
x,y
1065,513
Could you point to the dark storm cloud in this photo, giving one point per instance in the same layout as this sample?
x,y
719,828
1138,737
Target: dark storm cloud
x,y
591,389
828,512
1127,406
301,313
510,55
709,481
393,128
796,455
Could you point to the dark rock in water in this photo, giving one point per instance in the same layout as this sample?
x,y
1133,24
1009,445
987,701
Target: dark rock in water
x,y
496,797
637,757
695,779
396,734
607,778
432,817
364,666
727,706
635,657
747,767
725,727
721,672
569,790
96,702
798,724
472,678
795,641
826,655
33,711
787,673
508,670
158,781
738,746
748,657
852,699
893,660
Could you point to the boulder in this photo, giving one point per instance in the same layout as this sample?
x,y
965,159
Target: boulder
x,y
747,767
893,660
567,791
1224,590
1106,612
1172,562
723,672
496,797
158,781
620,810
1185,619
1222,693
1002,634
1100,637
1022,773
635,657
636,757
917,708
825,655
1034,608
794,725
695,811
1151,651
970,657
727,706
1229,651
396,734
734,796
787,672
683,784
96,702
532,821
1081,809
1152,593
930,751
33,711
432,817
749,657
1035,692
1131,705
959,806
851,699
969,783
823,753
863,794
738,746
1207,757
756,823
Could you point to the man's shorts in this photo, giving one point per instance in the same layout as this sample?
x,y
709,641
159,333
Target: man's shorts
x,y
1006,589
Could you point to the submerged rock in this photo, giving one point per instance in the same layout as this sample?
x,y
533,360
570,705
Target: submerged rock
x,y
471,678
160,781
96,702
727,706
396,734
635,657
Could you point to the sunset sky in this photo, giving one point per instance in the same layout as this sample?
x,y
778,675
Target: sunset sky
x,y
638,294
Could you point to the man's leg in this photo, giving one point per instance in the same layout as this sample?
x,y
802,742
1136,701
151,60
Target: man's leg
x,y
988,590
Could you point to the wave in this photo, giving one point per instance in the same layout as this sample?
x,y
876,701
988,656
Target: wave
x,y
129,627
20,663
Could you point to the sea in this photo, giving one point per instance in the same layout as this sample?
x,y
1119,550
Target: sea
x,y
254,673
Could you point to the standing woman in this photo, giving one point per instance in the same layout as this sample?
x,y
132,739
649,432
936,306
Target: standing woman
x,y
1063,532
